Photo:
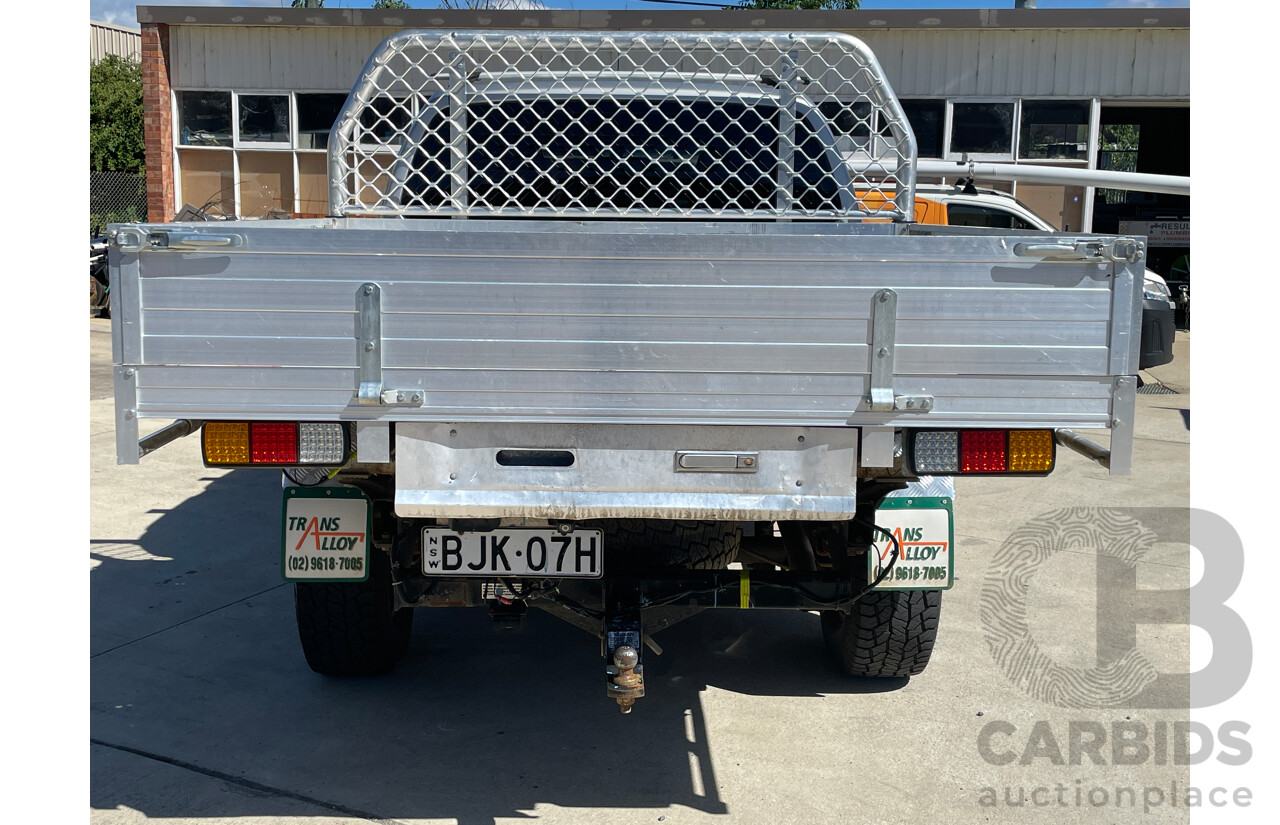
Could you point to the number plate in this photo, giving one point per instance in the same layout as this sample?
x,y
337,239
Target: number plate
x,y
326,535
512,552
923,529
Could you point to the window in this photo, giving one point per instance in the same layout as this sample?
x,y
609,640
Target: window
x,y
982,128
1118,147
264,118
928,119
1057,129
967,214
236,155
1118,151
316,115
204,118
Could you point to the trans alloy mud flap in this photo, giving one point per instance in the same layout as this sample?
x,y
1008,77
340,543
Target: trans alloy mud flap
x,y
920,520
325,535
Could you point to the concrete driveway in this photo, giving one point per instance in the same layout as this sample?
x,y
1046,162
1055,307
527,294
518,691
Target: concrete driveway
x,y
203,709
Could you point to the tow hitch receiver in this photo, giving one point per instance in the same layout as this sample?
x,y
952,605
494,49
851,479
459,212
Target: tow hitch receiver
x,y
623,640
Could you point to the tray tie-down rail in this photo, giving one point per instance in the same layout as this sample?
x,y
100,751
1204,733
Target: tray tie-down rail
x,y
369,354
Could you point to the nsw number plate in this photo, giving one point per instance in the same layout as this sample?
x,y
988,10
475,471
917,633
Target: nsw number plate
x,y
512,552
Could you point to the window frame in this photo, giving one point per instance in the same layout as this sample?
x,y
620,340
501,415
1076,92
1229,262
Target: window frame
x,y
255,145
1003,157
944,127
178,122
297,126
1091,104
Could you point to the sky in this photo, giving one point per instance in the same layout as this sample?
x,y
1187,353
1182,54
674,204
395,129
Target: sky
x,y
122,12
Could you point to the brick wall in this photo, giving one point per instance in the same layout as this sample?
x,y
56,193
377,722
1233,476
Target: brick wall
x,y
157,117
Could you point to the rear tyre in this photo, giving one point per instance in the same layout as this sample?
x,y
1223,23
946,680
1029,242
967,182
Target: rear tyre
x,y
636,544
887,633
97,296
353,628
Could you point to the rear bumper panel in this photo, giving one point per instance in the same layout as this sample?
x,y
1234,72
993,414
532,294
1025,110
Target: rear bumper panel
x,y
453,471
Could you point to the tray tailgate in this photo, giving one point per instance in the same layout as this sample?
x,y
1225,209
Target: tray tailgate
x,y
618,323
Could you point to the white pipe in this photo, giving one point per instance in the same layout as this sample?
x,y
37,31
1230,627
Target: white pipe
x,y
1027,173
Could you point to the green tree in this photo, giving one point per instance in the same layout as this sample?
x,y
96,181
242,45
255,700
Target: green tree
x,y
799,4
390,4
115,116
307,4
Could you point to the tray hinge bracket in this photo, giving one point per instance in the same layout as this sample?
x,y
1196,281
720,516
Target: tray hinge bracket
x,y
884,333
369,354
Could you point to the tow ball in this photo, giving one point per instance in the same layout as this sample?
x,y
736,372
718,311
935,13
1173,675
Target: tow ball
x,y
626,677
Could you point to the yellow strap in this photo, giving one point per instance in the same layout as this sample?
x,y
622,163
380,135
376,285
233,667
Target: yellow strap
x,y
744,589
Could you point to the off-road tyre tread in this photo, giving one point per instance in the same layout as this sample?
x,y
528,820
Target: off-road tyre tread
x,y
887,634
636,544
98,304
351,628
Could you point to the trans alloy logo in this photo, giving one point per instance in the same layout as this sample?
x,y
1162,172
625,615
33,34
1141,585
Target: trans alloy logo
x,y
325,539
325,534
914,547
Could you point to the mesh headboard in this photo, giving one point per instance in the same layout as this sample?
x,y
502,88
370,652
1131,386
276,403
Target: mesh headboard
x,y
622,124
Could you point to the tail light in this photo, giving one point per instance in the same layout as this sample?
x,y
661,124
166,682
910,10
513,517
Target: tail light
x,y
982,452
274,443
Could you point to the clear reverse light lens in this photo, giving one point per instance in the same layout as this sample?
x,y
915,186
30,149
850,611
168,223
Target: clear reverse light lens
x,y
321,444
937,452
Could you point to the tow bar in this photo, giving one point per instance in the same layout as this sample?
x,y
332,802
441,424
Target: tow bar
x,y
631,610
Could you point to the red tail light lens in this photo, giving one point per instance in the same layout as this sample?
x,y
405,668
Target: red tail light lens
x,y
274,442
983,451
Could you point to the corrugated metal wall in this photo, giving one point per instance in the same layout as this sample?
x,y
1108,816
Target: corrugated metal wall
x,y
1108,63
105,39
277,58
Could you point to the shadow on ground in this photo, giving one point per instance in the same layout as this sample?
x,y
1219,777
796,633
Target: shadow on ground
x,y
473,725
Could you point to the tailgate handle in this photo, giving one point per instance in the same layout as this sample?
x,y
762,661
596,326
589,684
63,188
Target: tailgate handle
x,y
196,240
140,239
1120,250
